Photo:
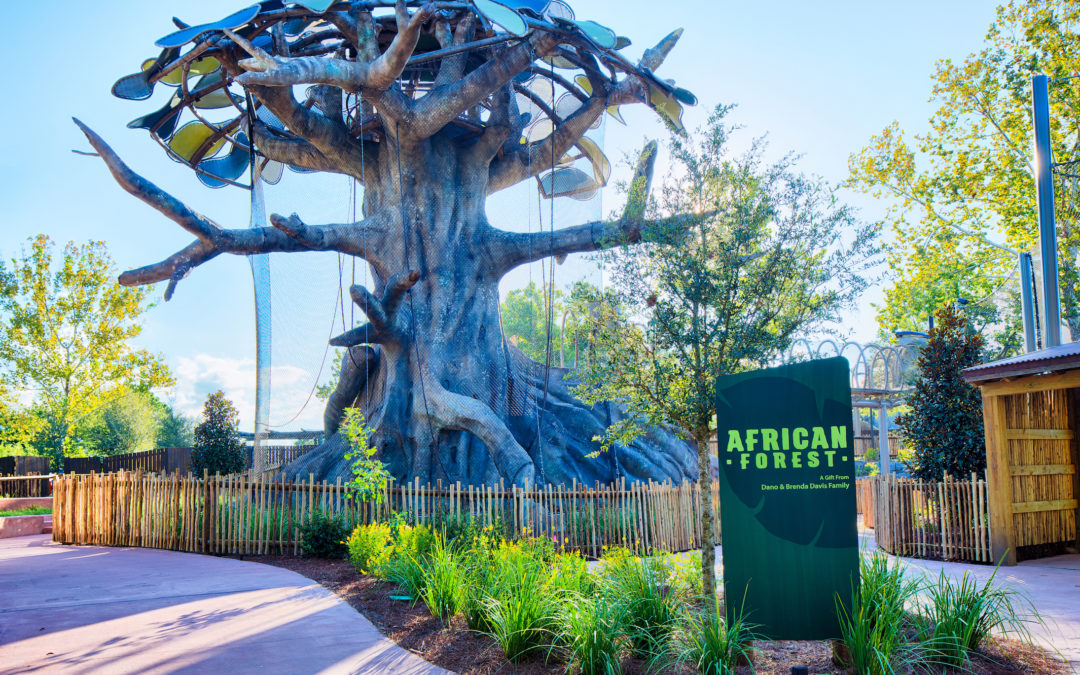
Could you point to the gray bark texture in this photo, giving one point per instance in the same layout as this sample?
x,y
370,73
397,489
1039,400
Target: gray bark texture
x,y
447,397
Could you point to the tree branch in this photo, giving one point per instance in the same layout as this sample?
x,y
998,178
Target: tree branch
x,y
382,327
515,167
441,106
363,239
171,207
294,151
266,70
511,249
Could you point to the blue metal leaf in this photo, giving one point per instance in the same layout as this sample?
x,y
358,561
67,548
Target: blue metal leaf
x,y
186,35
503,16
229,167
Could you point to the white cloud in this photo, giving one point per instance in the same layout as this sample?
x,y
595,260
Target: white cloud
x,y
201,375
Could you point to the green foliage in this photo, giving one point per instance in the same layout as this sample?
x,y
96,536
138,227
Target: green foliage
x,y
176,430
323,536
19,427
524,316
217,448
960,616
369,475
737,259
944,424
591,634
130,421
369,546
28,511
966,179
686,575
407,572
707,642
522,612
874,627
66,333
444,581
642,585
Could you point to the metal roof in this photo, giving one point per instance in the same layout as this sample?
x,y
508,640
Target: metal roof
x,y
1052,360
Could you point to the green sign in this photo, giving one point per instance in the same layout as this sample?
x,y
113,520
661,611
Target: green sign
x,y
787,497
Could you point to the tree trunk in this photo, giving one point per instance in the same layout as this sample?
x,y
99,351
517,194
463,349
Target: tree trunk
x,y
708,544
447,397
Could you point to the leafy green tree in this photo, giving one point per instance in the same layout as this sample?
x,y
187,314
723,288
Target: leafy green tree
x,y
129,421
176,430
944,423
740,258
965,184
524,316
66,332
217,447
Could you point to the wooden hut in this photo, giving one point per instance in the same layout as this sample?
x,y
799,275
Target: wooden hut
x,y
1031,413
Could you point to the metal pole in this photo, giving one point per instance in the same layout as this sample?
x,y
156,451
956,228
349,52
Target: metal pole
x,y
884,463
1027,313
1044,191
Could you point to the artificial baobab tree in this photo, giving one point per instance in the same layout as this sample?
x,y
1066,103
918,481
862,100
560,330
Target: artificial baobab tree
x,y
431,107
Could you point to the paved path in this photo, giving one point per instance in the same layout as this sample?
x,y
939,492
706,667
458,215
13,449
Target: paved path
x,y
120,610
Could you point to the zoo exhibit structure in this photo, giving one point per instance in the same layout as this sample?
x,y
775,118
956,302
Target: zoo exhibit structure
x,y
879,377
430,107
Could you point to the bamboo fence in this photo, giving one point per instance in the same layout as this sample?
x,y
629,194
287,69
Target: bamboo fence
x,y
237,515
947,520
864,500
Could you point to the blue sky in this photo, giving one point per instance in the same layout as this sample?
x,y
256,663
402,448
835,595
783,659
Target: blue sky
x,y
818,78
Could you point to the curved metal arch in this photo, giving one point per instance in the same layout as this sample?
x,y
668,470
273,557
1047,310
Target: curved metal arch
x,y
874,367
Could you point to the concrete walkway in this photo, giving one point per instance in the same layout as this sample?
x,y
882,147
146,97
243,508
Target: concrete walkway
x,y
122,610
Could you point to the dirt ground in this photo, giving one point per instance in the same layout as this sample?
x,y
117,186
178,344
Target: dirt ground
x,y
463,651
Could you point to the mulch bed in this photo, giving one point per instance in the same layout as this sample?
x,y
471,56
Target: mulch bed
x,y
460,650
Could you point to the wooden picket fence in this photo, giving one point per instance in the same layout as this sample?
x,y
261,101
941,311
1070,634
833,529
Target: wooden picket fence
x,y
864,500
26,486
947,520
236,515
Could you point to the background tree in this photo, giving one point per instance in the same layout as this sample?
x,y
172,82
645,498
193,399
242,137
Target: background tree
x,y
66,333
177,430
19,426
431,108
968,178
130,421
770,255
944,423
217,447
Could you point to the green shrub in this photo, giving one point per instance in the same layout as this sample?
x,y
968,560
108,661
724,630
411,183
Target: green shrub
x,y
444,581
217,448
407,572
323,536
686,575
874,628
522,616
569,573
591,634
960,616
707,642
643,586
413,540
369,546
941,399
